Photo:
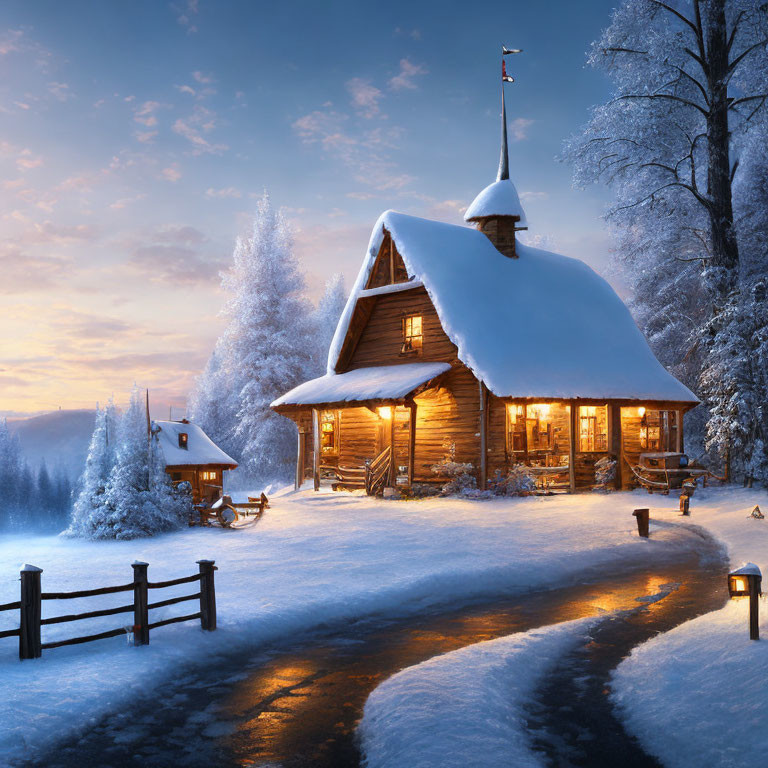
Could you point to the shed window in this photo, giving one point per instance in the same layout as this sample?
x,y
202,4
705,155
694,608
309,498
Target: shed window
x,y
329,433
412,335
209,474
593,428
183,440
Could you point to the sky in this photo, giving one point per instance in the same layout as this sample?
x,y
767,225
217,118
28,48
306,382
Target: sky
x,y
136,137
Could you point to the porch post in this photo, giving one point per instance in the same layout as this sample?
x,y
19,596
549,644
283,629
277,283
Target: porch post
x,y
411,442
299,459
615,444
392,478
483,435
572,446
316,448
679,432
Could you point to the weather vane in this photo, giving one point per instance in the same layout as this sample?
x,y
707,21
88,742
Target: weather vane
x,y
505,78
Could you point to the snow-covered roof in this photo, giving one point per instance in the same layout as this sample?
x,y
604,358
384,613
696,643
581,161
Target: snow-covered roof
x,y
381,382
541,325
200,450
497,199
748,569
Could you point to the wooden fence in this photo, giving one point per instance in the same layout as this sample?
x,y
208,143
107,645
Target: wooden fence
x,y
30,608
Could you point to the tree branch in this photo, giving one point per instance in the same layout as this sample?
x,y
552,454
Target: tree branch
x,y
679,15
738,59
703,200
669,96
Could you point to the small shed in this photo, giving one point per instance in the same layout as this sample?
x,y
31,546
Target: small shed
x,y
191,456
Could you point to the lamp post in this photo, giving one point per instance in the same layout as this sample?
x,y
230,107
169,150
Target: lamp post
x,y
746,582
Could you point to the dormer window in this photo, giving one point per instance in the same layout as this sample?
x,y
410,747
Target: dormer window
x,y
412,335
183,440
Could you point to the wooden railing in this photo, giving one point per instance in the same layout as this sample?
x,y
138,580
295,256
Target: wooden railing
x,y
376,472
30,608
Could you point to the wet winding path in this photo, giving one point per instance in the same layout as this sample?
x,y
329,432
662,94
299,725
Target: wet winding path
x,y
296,706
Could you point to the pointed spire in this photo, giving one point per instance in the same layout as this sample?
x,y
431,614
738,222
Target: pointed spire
x,y
504,158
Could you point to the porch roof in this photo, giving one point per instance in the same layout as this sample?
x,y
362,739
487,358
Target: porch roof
x,y
381,382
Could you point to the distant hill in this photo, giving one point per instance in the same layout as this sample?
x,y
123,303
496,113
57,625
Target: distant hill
x,y
60,437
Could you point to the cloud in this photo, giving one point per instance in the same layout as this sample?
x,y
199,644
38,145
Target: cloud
x,y
365,97
11,41
36,233
124,202
145,137
145,113
224,192
528,195
171,173
201,78
186,89
169,263
404,79
194,128
185,14
26,160
26,273
366,153
414,34
60,91
518,128
184,234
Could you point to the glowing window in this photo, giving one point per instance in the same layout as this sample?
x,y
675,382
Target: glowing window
x,y
593,428
183,440
329,433
209,475
412,335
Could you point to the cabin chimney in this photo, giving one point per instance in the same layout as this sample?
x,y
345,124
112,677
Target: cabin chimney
x,y
496,211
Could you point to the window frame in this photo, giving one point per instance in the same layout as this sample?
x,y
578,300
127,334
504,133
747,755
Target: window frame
x,y
410,345
332,417
184,440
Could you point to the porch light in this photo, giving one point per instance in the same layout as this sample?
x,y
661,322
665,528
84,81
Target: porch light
x,y
641,411
385,412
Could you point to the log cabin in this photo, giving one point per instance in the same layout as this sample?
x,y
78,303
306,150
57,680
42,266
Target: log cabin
x,y
462,343
191,456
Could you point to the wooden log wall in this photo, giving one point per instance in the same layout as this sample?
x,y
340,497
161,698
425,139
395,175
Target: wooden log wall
x,y
358,436
447,414
381,341
388,267
630,444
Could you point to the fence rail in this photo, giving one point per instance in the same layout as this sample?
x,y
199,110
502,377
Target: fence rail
x,y
30,608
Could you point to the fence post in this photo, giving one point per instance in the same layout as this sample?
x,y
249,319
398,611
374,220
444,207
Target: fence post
x,y
140,603
30,612
643,519
207,595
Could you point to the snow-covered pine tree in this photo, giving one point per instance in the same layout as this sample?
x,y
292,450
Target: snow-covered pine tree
x,y
327,316
45,496
270,336
11,467
266,348
214,402
133,507
689,77
88,510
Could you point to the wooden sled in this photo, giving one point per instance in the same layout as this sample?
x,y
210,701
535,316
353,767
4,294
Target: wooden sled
x,y
664,480
229,514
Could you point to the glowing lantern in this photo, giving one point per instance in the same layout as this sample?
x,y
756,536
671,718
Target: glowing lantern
x,y
385,412
745,582
738,580
641,411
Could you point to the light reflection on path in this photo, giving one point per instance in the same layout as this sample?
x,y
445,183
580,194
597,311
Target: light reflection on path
x,y
298,706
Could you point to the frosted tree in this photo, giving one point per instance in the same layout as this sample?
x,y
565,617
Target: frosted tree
x,y
134,505
11,467
214,402
690,81
88,510
269,335
327,316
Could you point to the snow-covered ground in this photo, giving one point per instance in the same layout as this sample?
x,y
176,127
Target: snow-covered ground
x,y
466,707
698,695
312,559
